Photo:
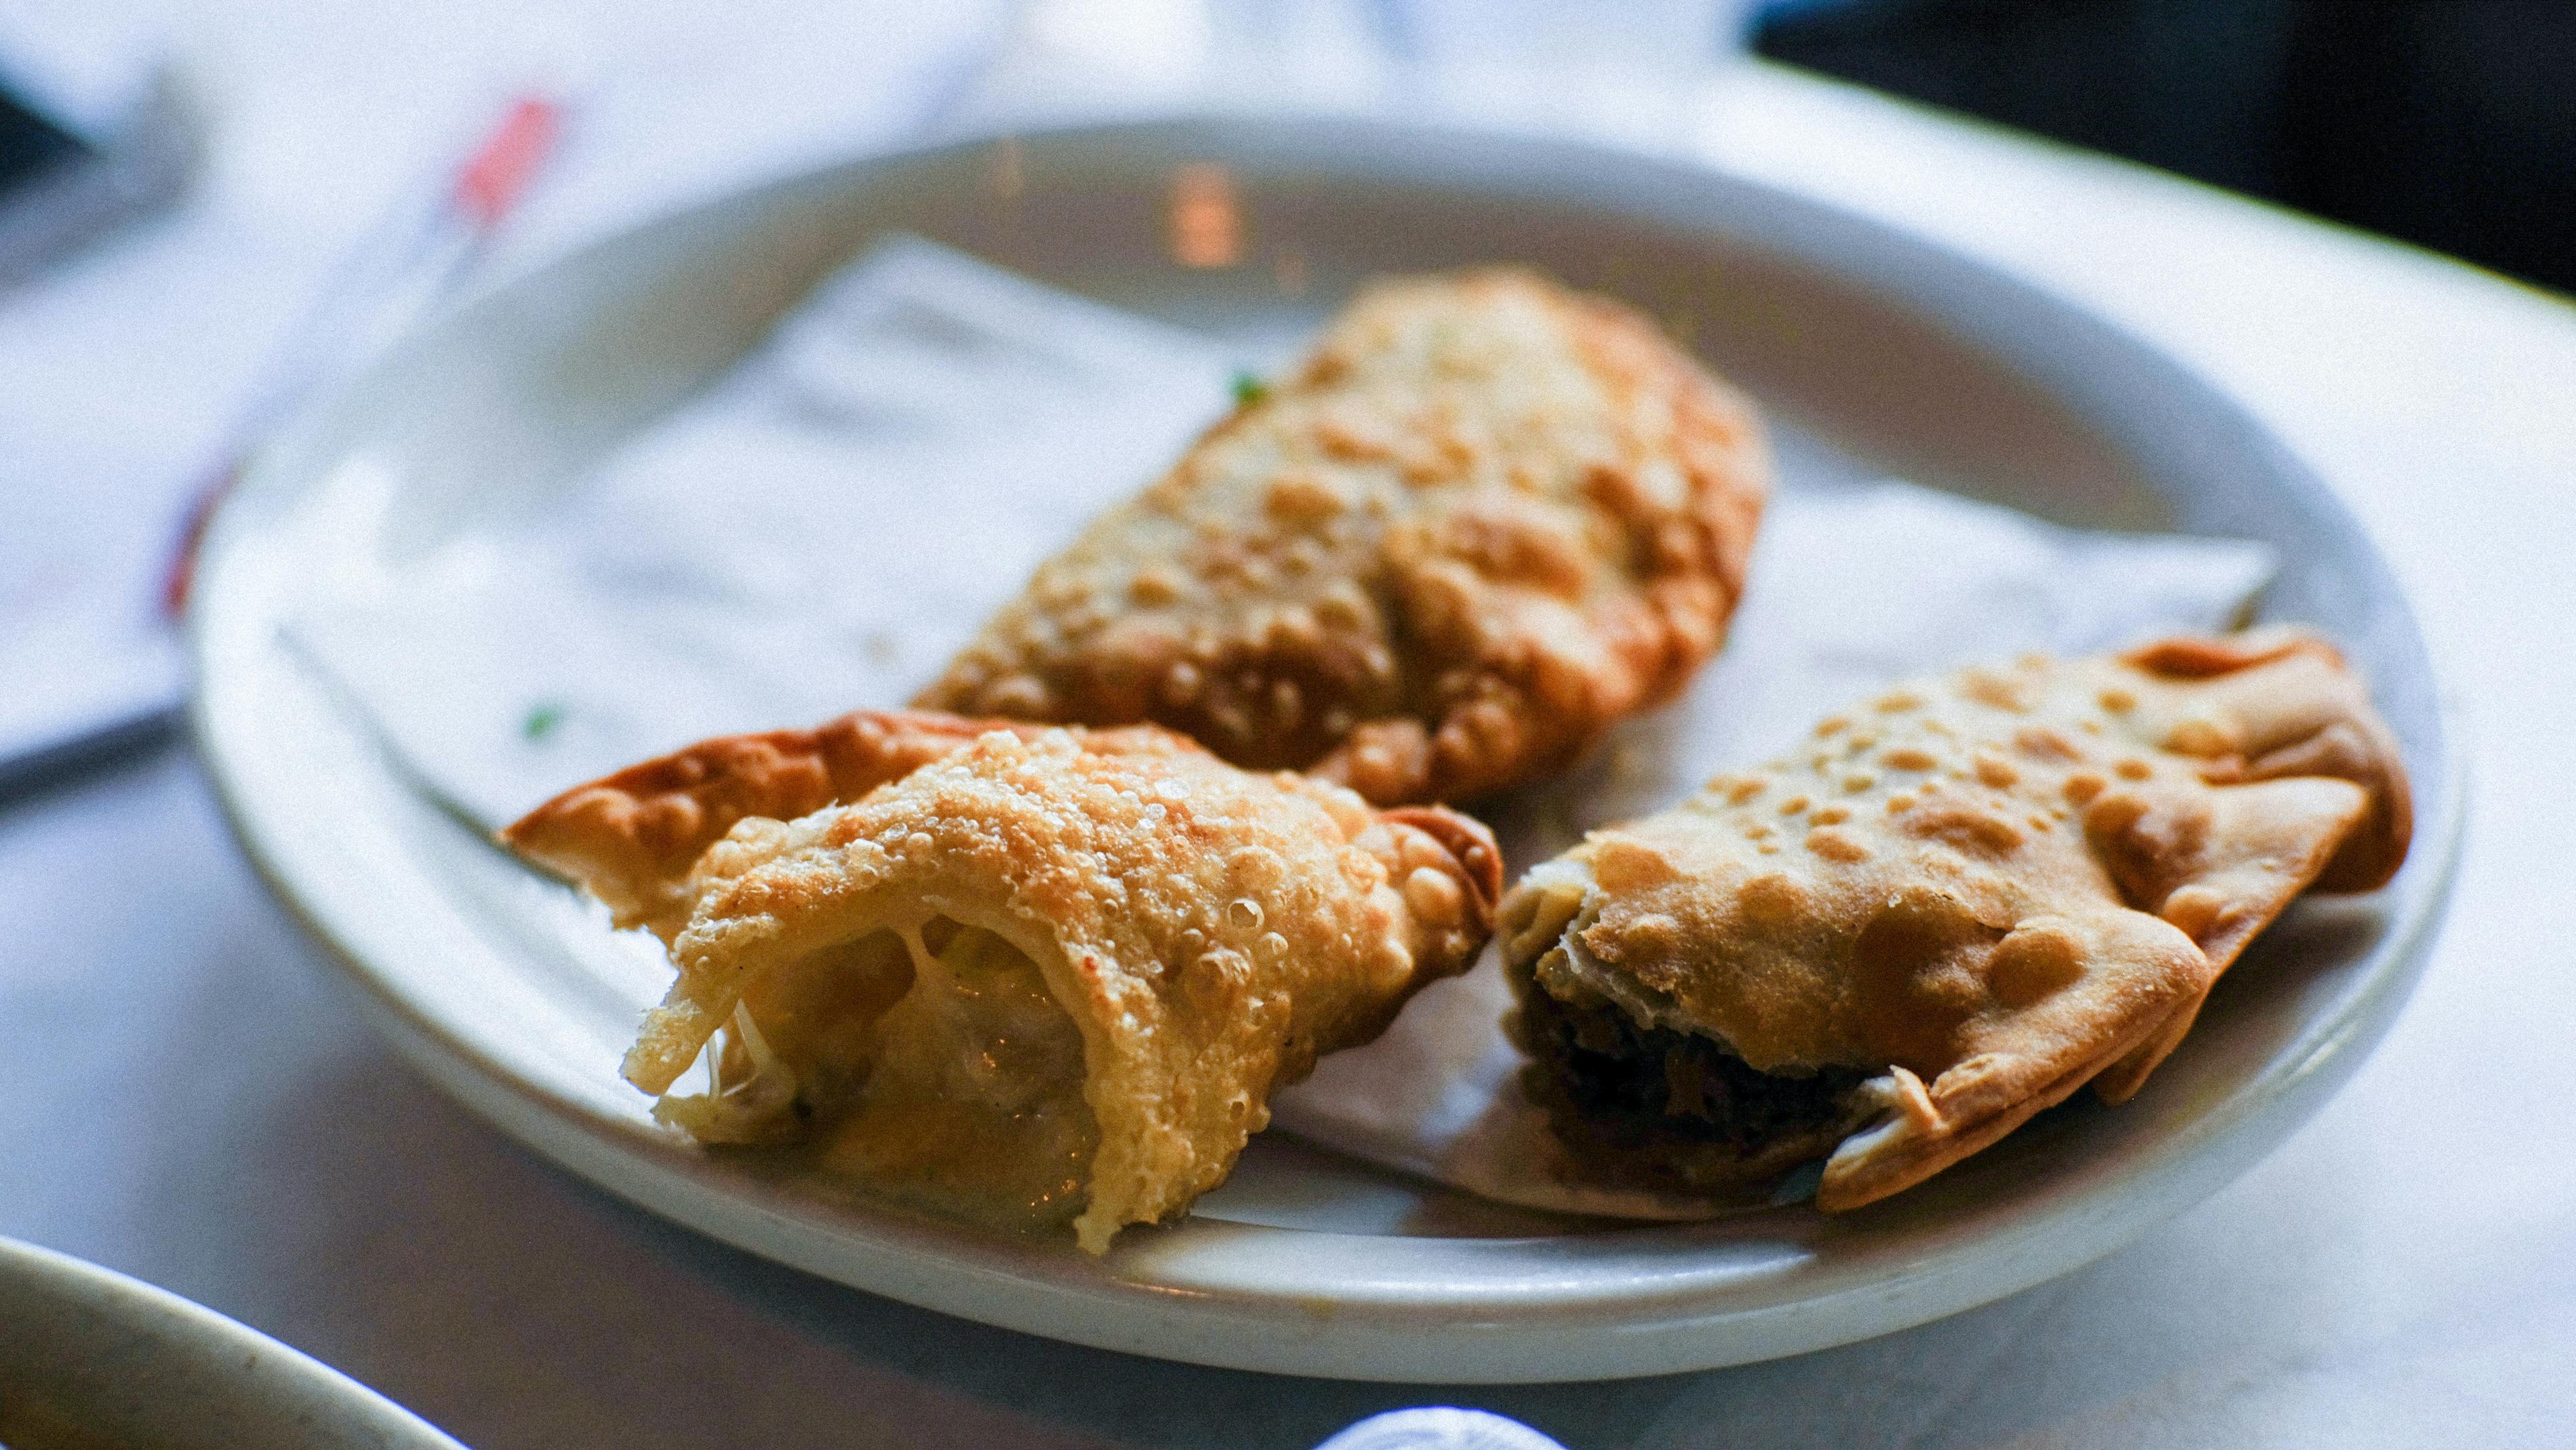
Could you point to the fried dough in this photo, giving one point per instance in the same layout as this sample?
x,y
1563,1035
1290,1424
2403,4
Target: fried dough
x,y
1954,906
1485,520
632,838
1050,974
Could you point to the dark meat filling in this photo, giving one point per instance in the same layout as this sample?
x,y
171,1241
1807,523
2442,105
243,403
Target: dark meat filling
x,y
1640,1082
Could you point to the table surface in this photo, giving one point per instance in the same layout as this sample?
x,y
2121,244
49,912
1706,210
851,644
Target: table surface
x,y
193,1100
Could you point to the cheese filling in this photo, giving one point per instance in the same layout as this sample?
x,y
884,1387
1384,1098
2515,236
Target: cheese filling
x,y
932,1062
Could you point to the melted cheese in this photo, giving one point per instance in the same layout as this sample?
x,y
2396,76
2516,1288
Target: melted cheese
x,y
974,1096
931,1062
798,1046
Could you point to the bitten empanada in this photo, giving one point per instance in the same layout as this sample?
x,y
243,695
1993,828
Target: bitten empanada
x,y
1957,904
1488,518
1051,974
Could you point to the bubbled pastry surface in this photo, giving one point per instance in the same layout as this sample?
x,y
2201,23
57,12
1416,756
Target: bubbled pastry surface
x,y
1994,886
1211,930
1485,520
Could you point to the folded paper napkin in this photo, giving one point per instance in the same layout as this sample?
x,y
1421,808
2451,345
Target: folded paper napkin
x,y
823,526
819,530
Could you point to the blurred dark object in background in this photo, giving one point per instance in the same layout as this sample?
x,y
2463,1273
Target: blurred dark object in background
x,y
2448,123
30,145
61,190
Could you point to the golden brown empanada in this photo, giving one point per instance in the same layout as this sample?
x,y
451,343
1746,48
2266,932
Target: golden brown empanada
x,y
1488,518
632,838
1955,906
1049,975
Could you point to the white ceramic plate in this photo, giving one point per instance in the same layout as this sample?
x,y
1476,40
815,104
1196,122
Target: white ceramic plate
x,y
91,1357
1874,352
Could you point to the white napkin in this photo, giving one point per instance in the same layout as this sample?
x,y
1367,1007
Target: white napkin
x,y
821,528
815,533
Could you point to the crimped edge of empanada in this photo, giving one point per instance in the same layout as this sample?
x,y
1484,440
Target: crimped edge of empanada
x,y
632,838
2327,728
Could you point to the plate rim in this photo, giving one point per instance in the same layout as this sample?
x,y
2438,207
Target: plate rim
x,y
1394,1334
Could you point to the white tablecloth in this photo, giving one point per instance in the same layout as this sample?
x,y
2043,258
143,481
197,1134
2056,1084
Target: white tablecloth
x,y
189,1096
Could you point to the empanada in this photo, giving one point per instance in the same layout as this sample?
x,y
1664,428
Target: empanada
x,y
1488,518
1953,907
1051,974
632,838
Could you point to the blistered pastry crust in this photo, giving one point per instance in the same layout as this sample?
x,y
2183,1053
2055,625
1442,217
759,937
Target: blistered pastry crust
x,y
1485,520
633,837
1987,889
1210,930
